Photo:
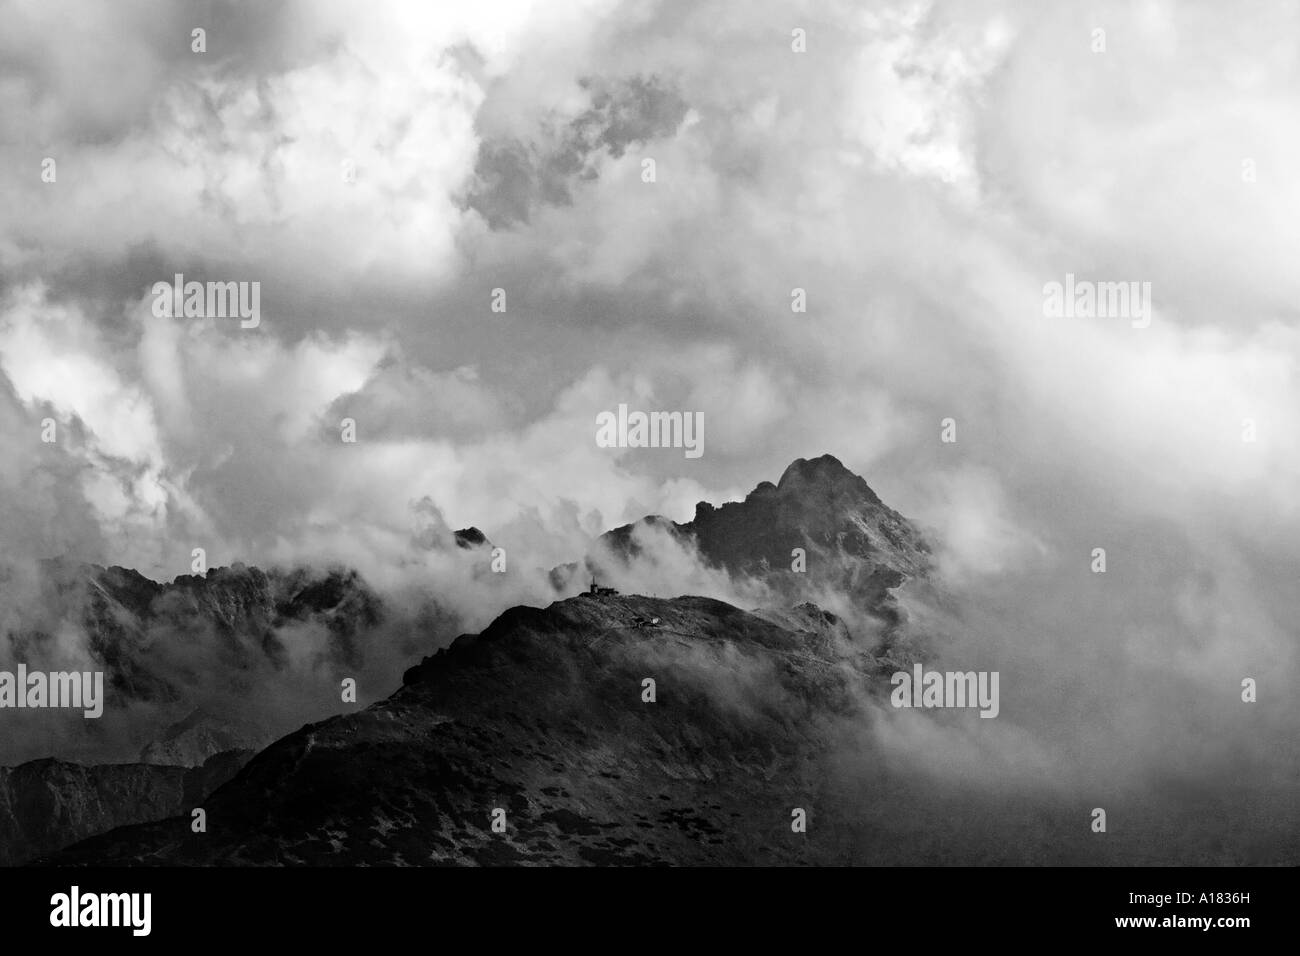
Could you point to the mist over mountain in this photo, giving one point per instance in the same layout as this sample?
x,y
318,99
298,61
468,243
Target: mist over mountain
x,y
820,533
544,716
205,663
152,637
234,657
650,433
542,740
775,700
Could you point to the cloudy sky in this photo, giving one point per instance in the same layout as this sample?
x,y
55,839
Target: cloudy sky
x,y
922,170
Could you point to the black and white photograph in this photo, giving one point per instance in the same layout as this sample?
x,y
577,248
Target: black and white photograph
x,y
853,436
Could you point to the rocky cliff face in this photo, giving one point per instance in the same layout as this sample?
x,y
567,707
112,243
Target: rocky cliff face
x,y
49,804
853,544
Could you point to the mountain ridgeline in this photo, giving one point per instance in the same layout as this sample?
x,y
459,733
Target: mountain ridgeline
x,y
601,729
546,725
629,730
853,544
237,611
187,664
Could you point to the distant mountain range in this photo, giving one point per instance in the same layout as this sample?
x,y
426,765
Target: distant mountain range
x,y
537,689
237,611
601,729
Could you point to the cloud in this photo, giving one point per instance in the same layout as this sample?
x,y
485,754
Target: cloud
x,y
920,172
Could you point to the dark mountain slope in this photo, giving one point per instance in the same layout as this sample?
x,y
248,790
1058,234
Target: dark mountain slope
x,y
49,804
756,716
542,715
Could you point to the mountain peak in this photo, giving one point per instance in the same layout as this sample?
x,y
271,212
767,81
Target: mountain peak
x,y
852,539
827,472
827,462
470,537
823,467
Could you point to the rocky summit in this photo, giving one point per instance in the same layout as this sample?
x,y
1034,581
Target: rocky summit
x,y
853,544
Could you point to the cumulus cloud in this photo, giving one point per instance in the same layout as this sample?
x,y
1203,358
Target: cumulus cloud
x,y
921,172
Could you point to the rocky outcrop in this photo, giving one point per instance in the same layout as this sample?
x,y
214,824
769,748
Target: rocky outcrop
x,y
852,542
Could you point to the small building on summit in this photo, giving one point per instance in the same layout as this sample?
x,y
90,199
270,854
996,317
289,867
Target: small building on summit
x,y
596,591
